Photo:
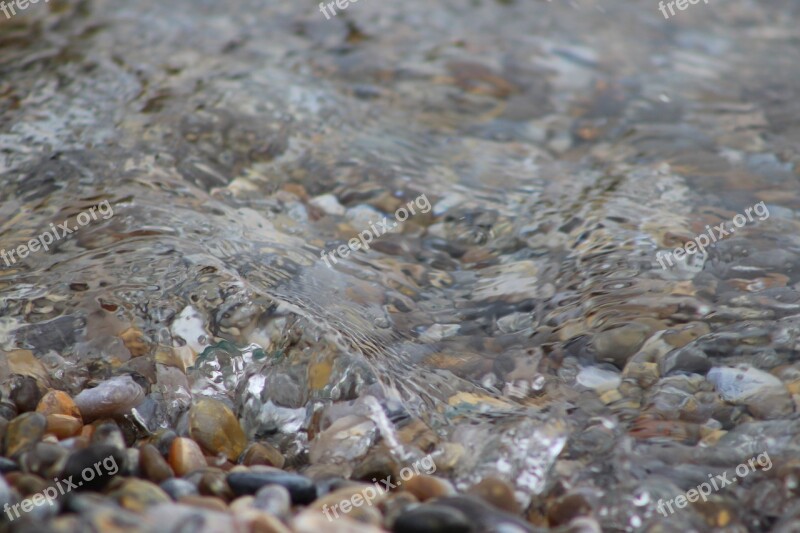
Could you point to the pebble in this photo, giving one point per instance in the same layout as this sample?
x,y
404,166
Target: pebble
x,y
426,487
273,499
177,488
23,432
153,465
185,456
56,402
112,462
214,483
263,454
213,426
301,489
617,345
139,494
63,426
110,398
206,502
24,393
496,492
315,522
432,518
108,433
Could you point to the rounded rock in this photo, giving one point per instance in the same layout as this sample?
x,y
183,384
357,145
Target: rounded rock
x,y
110,398
214,426
432,518
185,456
301,489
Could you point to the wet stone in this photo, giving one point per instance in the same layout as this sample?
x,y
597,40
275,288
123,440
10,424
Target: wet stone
x,y
205,502
110,398
108,433
63,426
301,489
496,492
45,459
138,494
185,456
153,465
273,499
177,488
433,518
23,432
617,345
213,426
7,465
25,393
57,402
95,466
215,484
263,454
425,487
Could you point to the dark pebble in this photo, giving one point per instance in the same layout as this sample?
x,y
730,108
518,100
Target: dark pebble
x,y
7,465
301,489
177,488
25,393
433,518
485,517
112,462
153,465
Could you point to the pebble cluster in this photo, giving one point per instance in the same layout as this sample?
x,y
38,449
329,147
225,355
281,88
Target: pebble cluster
x,y
211,477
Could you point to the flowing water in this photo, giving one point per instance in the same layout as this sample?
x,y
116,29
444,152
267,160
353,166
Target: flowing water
x,y
522,327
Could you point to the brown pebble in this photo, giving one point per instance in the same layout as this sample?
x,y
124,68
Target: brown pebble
x,y
206,502
153,465
496,492
63,426
185,456
568,507
425,487
138,494
263,454
261,522
23,432
214,426
57,402
215,484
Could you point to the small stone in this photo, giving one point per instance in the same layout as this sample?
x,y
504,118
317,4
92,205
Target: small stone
x,y
135,342
425,487
185,456
110,398
263,523
108,433
177,488
45,459
301,489
95,466
205,502
57,402
263,454
329,204
214,426
431,518
496,492
617,345
362,494
23,432
273,499
153,465
315,522
24,393
63,426
138,494
215,484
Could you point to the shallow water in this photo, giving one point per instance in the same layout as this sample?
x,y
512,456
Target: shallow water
x,y
525,318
